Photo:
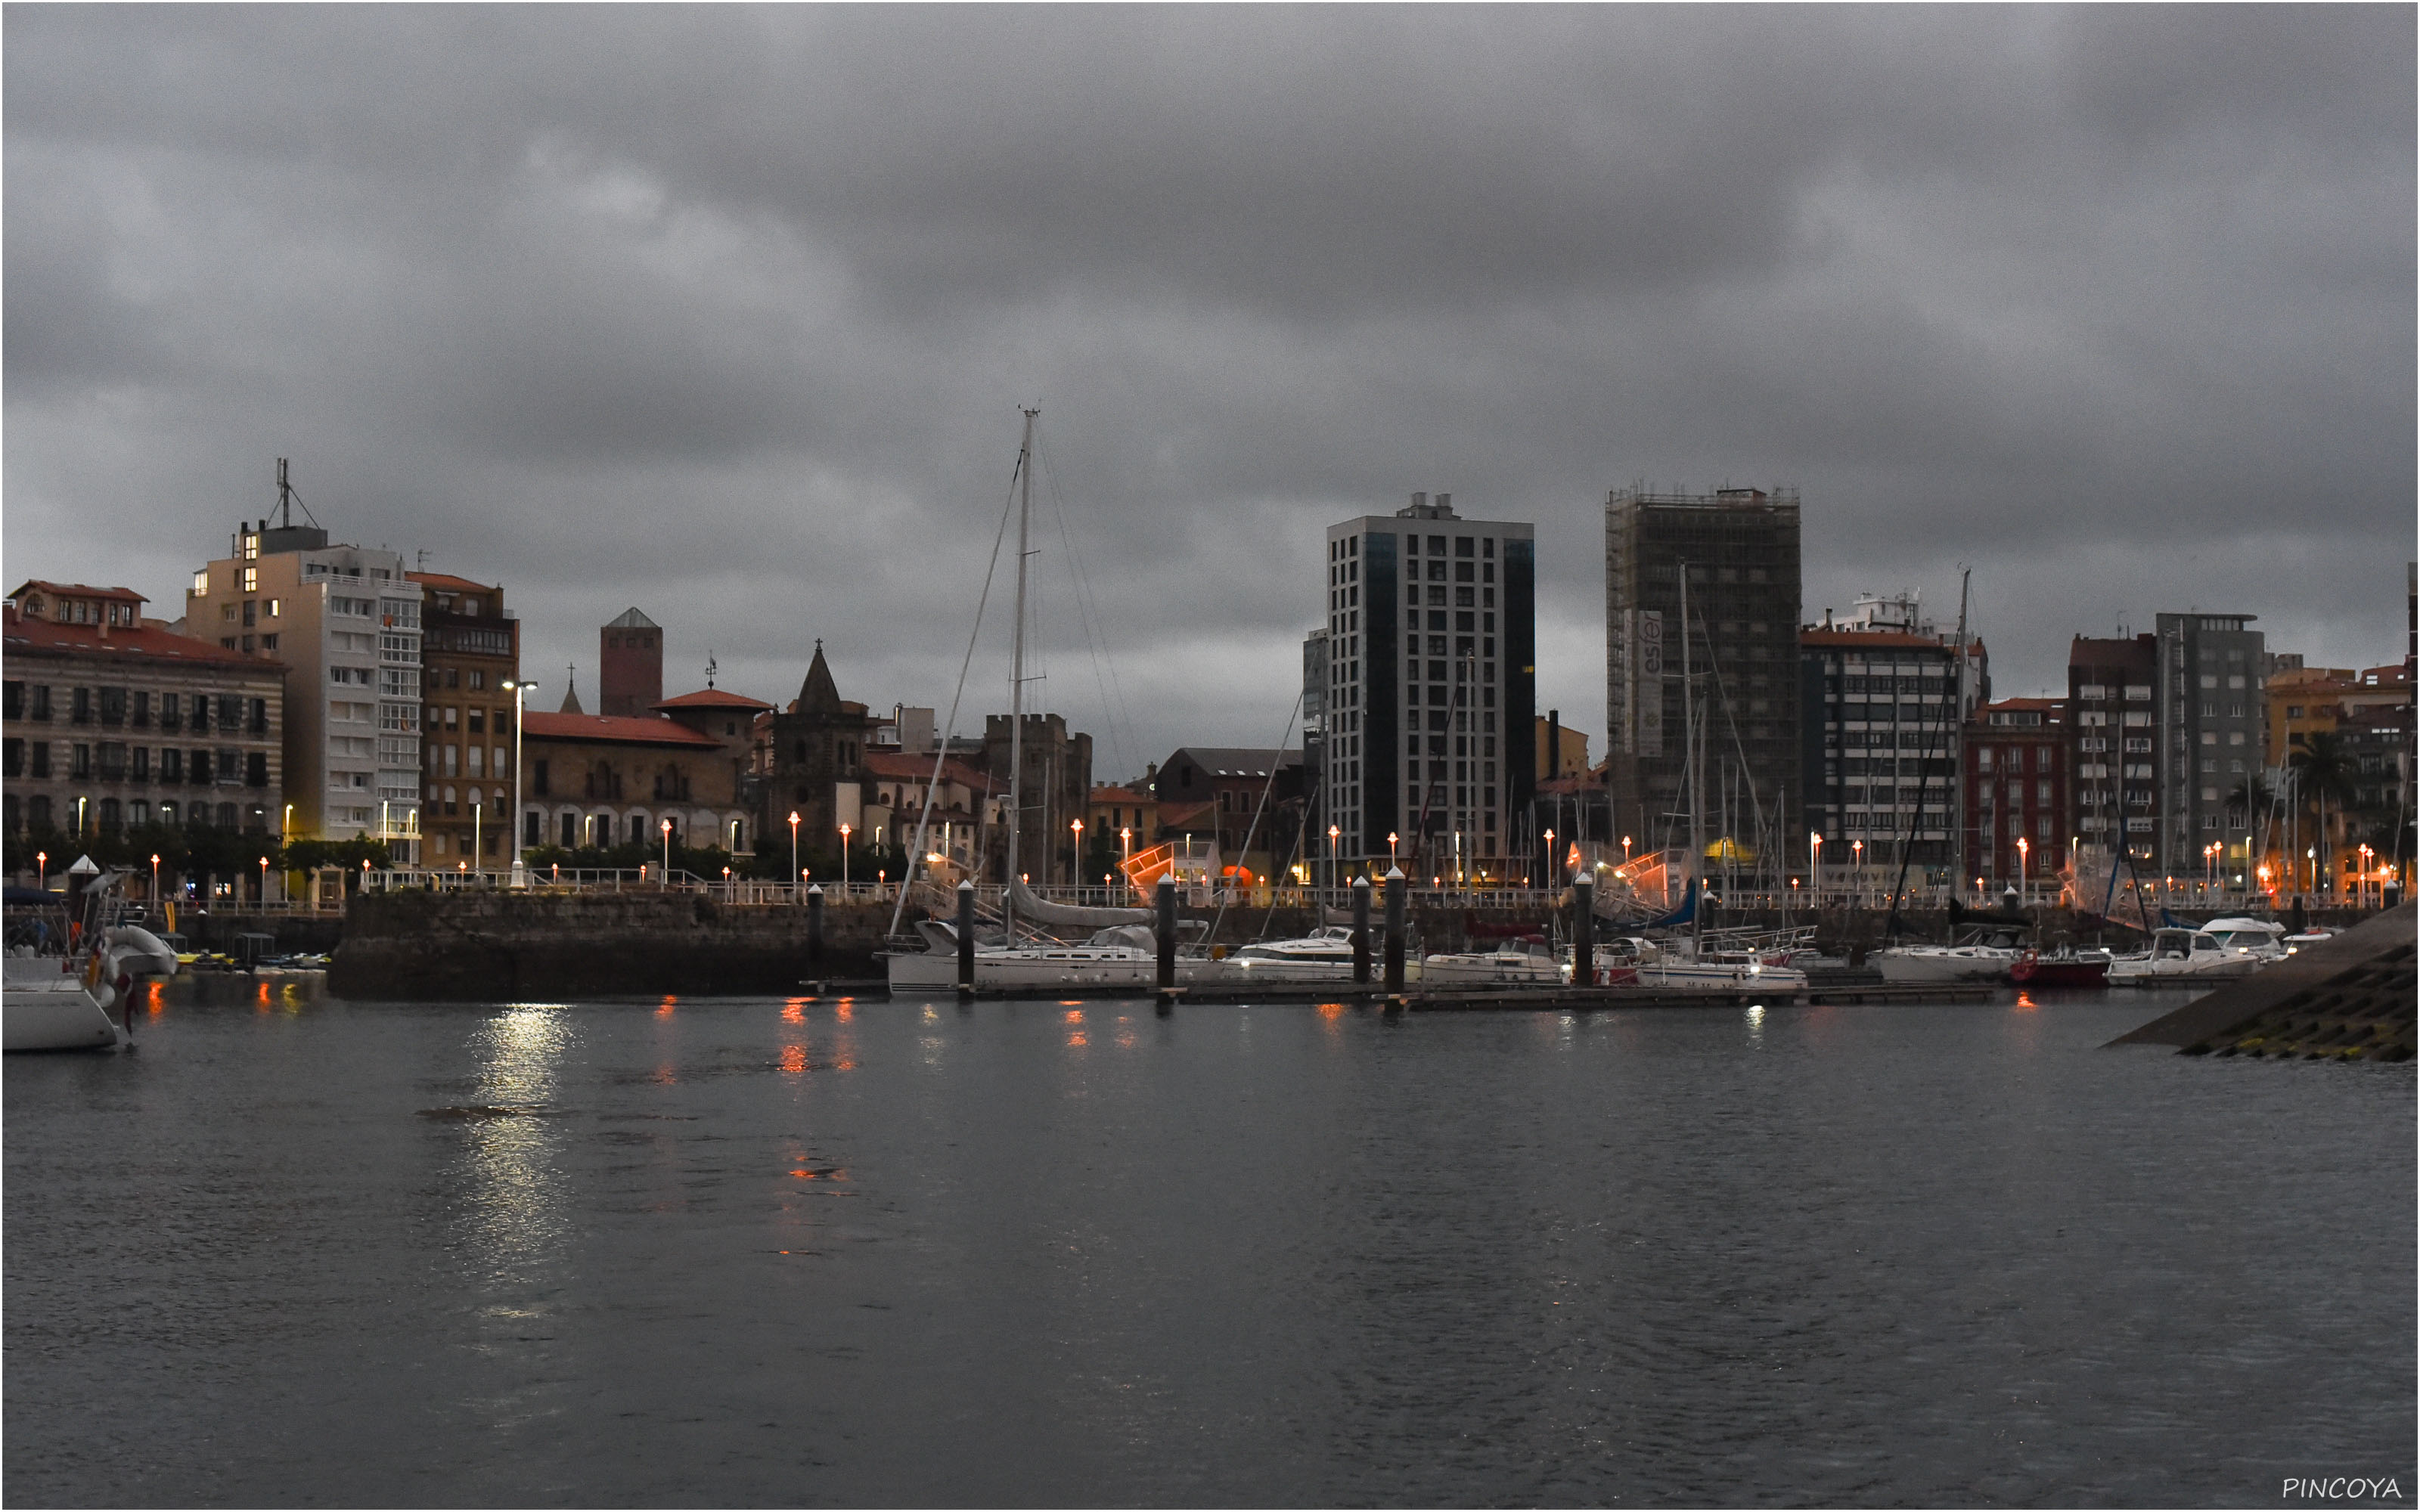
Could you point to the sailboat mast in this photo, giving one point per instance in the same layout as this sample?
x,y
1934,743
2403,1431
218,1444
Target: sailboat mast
x,y
1697,770
1016,673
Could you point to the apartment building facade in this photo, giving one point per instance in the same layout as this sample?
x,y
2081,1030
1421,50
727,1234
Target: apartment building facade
x,y
345,622
2210,707
2018,818
115,723
470,661
1883,699
2115,734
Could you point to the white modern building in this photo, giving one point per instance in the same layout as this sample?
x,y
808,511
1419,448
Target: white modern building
x,y
346,620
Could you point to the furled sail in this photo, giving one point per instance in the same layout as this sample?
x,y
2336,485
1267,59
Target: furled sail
x,y
1071,915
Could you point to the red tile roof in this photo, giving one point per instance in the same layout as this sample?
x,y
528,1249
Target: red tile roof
x,y
623,729
27,636
897,767
713,698
75,590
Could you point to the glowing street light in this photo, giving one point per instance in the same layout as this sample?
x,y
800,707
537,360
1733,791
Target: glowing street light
x,y
1333,835
794,848
666,827
1550,854
2025,879
843,858
286,826
1814,860
1074,870
1625,850
155,876
1390,850
1125,849
41,871
264,882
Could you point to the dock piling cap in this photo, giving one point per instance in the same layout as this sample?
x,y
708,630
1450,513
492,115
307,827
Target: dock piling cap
x,y
1168,879
816,890
84,868
1361,882
965,884
1394,873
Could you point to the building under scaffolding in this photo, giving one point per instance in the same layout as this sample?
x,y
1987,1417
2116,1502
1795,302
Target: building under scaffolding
x,y
1739,547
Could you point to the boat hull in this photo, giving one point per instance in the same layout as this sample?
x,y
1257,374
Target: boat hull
x,y
1931,969
61,1016
2060,973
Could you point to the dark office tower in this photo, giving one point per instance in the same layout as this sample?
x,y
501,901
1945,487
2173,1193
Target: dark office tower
x,y
1740,548
1431,678
2210,711
630,666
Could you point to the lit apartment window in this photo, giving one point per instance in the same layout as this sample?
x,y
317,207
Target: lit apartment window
x,y
251,579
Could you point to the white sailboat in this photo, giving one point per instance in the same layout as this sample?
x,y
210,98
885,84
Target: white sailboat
x,y
1118,950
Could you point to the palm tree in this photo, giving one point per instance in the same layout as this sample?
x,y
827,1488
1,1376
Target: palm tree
x,y
2324,769
2249,805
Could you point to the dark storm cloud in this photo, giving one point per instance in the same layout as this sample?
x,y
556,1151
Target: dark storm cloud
x,y
727,312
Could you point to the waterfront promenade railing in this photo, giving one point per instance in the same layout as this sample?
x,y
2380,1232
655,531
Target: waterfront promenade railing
x,y
1533,902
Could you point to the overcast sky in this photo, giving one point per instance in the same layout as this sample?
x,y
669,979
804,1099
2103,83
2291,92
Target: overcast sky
x,y
729,313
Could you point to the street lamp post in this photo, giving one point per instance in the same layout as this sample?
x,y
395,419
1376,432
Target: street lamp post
x,y
664,826
264,884
520,693
844,861
1815,866
1857,863
476,828
1334,834
794,888
1126,852
286,827
2024,874
1076,872
1390,851
155,877
41,871
1549,869
1625,851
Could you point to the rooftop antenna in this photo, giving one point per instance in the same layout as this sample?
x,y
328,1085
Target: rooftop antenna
x,y
288,499
709,669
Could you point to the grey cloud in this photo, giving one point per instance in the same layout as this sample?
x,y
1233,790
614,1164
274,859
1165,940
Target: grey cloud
x,y
729,311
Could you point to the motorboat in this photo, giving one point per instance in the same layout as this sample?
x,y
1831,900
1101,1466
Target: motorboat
x,y
1511,964
1324,954
2188,955
2256,937
1674,966
60,998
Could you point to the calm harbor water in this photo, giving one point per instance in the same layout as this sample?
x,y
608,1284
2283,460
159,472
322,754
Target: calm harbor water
x,y
754,1251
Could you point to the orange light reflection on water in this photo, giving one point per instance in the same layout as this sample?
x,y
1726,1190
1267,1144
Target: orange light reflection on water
x,y
794,1011
794,1059
664,1010
2025,1003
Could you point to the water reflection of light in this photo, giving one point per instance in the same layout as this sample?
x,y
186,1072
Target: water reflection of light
x,y
2025,1003
794,1059
155,999
1755,1026
664,1010
1075,1015
794,1011
848,1010
515,1177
